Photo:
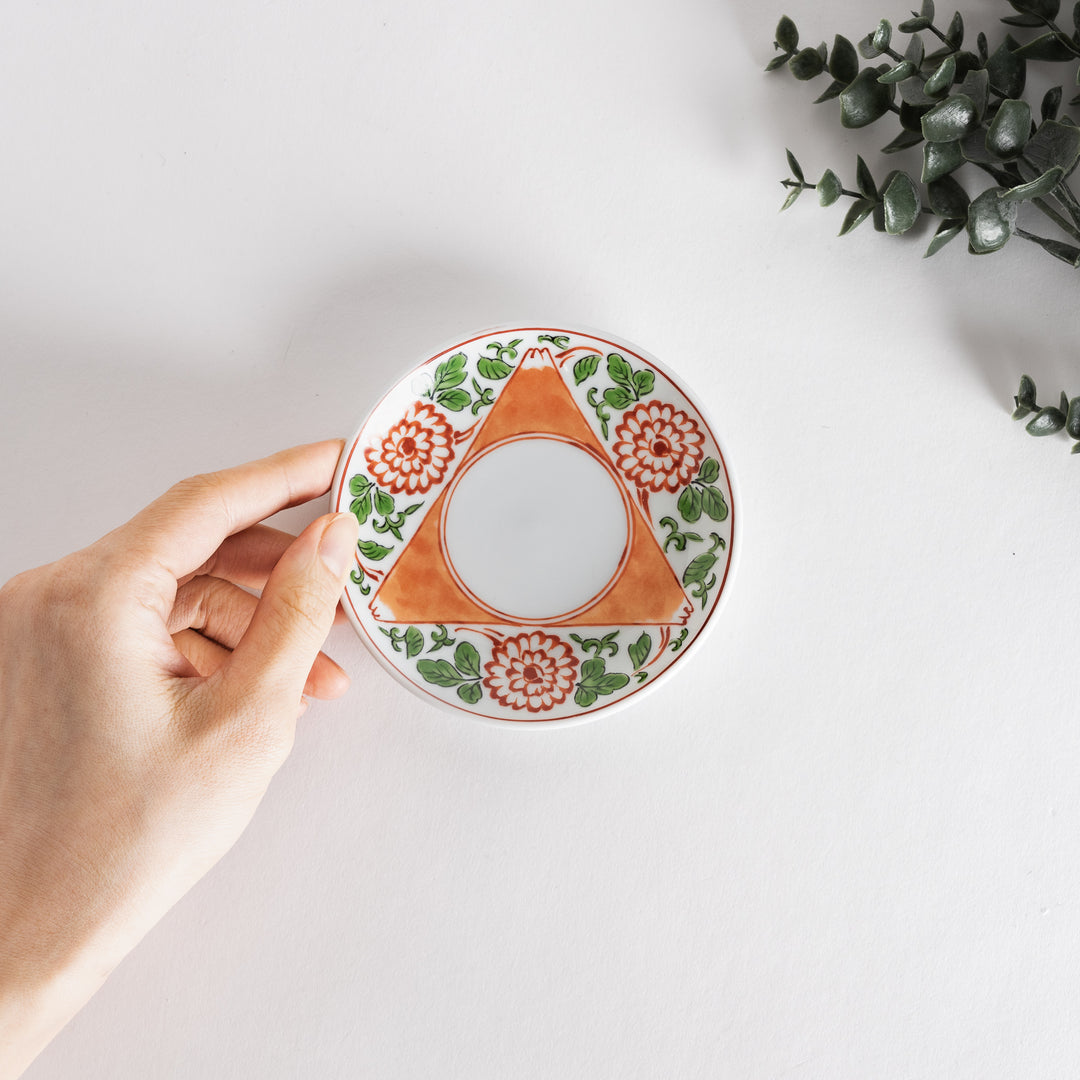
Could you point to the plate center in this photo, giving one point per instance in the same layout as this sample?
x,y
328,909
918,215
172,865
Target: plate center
x,y
536,528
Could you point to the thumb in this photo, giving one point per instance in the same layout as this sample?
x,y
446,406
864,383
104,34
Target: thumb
x,y
296,611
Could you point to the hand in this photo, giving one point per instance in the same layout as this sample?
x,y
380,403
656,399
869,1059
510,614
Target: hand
x,y
146,700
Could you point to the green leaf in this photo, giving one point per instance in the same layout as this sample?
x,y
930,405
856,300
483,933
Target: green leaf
x,y
1054,144
1065,252
955,32
904,141
643,382
384,503
617,397
1064,405
587,365
470,692
583,697
787,35
990,222
611,682
902,204
778,61
372,550
867,49
843,61
882,35
1072,418
1006,71
947,198
1051,102
829,188
806,64
358,485
857,213
361,508
1047,47
913,26
940,159
467,659
414,642
950,120
454,400
941,81
618,369
946,231
712,502
689,504
904,70
640,649
1010,130
865,100
796,171
699,568
916,99
1046,421
976,85
439,672
792,195
592,671
1026,396
864,180
915,53
1035,189
492,368
451,372
1042,9
709,472
833,90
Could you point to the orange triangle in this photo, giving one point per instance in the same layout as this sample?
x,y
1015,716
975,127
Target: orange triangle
x,y
535,400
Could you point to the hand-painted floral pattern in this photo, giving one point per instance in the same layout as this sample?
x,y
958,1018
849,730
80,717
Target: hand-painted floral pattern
x,y
415,453
531,671
658,446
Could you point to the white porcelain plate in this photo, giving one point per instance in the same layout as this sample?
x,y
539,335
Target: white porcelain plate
x,y
546,524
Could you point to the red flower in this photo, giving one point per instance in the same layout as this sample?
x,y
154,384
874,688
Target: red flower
x,y
415,453
659,446
531,671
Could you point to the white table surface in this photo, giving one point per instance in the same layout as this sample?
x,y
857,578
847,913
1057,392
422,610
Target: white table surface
x,y
844,842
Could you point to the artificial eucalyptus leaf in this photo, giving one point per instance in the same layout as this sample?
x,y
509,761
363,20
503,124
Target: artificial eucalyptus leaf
x,y
942,79
864,100
966,62
1023,20
1076,17
1006,71
1026,394
1054,144
940,159
795,167
1044,9
1064,403
829,188
844,60
912,93
976,85
947,198
857,213
990,222
911,115
1051,102
1010,130
904,141
904,70
1037,188
1046,421
984,48
831,91
778,61
915,52
926,10
787,35
913,26
902,205
1020,412
955,32
1072,418
792,195
1067,253
950,120
882,35
864,180
973,147
867,49
946,231
1048,47
806,64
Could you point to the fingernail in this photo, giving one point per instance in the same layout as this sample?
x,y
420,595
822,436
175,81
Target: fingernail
x,y
338,542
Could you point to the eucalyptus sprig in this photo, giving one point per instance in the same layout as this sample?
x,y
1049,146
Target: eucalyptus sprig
x,y
966,110
1048,419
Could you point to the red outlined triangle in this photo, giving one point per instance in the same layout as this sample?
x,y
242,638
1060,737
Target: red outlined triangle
x,y
535,401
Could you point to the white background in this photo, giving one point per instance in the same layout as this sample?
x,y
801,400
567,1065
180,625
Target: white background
x,y
845,841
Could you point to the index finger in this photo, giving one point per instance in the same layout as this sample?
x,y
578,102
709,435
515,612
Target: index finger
x,y
182,529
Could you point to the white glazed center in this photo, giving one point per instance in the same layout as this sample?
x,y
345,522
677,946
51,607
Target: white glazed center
x,y
535,528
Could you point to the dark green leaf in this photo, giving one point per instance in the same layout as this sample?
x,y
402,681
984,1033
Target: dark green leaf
x,y
950,120
973,147
1065,252
792,195
1076,17
358,485
617,368
583,698
926,11
940,159
384,503
904,70
454,400
689,504
373,551
492,368
867,49
865,100
911,115
955,32
1026,396
941,81
1022,20
829,188
1064,406
1051,102
915,52
1046,421
709,472
699,568
976,85
778,61
439,672
990,222
913,26
1072,418
712,502
882,35
643,382
467,659
787,35
1006,71
587,365
612,682
857,213
1010,130
806,64
946,231
833,90
1037,188
913,94
414,642
618,397
640,649
844,61
1047,47
904,141
947,198
1054,144
902,204
1044,9
470,692
361,508
865,181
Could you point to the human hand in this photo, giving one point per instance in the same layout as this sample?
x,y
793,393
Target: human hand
x,y
146,700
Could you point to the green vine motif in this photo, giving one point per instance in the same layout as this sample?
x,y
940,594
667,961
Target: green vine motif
x,y
378,505
485,396
598,646
463,673
596,681
639,652
560,341
630,385
1048,419
677,644
679,539
357,577
699,573
499,361
701,496
411,640
440,638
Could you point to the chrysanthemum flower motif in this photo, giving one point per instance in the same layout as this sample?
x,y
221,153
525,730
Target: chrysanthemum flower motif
x,y
416,452
659,446
531,671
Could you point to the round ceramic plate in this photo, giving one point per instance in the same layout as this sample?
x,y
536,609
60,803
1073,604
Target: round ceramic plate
x,y
546,524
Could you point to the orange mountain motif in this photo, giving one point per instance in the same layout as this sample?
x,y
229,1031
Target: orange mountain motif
x,y
535,401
